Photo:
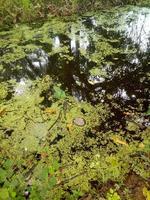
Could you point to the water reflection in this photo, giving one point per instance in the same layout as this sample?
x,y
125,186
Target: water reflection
x,y
38,61
138,27
73,44
125,71
56,42
79,39
20,88
93,80
121,93
83,41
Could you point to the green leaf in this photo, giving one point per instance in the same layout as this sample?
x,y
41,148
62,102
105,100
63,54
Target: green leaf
x,y
59,93
146,193
12,193
4,194
8,163
54,167
52,182
51,170
3,175
44,174
148,111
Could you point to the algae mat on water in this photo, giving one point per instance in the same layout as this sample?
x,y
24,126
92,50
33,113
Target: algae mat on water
x,y
81,132
45,155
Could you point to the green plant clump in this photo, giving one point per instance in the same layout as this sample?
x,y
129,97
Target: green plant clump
x,y
14,11
112,195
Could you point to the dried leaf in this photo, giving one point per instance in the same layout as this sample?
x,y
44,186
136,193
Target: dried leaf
x,y
117,140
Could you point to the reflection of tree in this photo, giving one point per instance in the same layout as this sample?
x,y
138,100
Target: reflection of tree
x,y
148,44
138,29
124,75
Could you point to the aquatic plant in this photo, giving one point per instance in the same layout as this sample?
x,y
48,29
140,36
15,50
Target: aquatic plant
x,y
40,170
66,148
13,11
146,193
112,195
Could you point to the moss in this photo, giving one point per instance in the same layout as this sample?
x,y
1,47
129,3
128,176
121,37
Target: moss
x,y
132,126
3,91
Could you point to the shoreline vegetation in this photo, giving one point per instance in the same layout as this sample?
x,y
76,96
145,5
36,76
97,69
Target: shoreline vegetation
x,y
18,11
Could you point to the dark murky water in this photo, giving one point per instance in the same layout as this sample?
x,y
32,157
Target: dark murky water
x,y
125,85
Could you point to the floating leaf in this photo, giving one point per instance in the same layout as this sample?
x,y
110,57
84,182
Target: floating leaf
x,y
118,140
4,194
2,111
54,167
30,143
3,175
52,182
39,130
44,174
59,93
8,163
146,193
50,110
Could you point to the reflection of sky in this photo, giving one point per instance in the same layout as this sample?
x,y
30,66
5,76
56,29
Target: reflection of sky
x,y
82,38
83,41
121,93
56,42
134,24
93,21
137,27
135,61
39,58
73,44
21,87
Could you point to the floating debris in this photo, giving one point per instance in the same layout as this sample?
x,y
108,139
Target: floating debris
x,y
95,80
79,121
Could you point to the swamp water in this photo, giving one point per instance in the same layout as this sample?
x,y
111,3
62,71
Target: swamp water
x,y
102,62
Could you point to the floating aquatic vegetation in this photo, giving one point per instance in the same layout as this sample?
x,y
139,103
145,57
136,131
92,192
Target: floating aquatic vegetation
x,y
62,144
52,151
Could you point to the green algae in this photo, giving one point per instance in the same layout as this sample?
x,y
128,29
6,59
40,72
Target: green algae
x,y
54,155
72,161
26,119
112,195
3,91
22,40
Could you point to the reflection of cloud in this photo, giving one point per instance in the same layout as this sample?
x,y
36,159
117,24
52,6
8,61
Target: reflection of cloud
x,y
135,61
93,21
39,59
21,87
56,42
121,93
82,37
84,41
73,44
95,79
138,29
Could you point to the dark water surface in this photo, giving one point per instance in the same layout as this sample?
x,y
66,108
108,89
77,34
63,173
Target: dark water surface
x,y
121,77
